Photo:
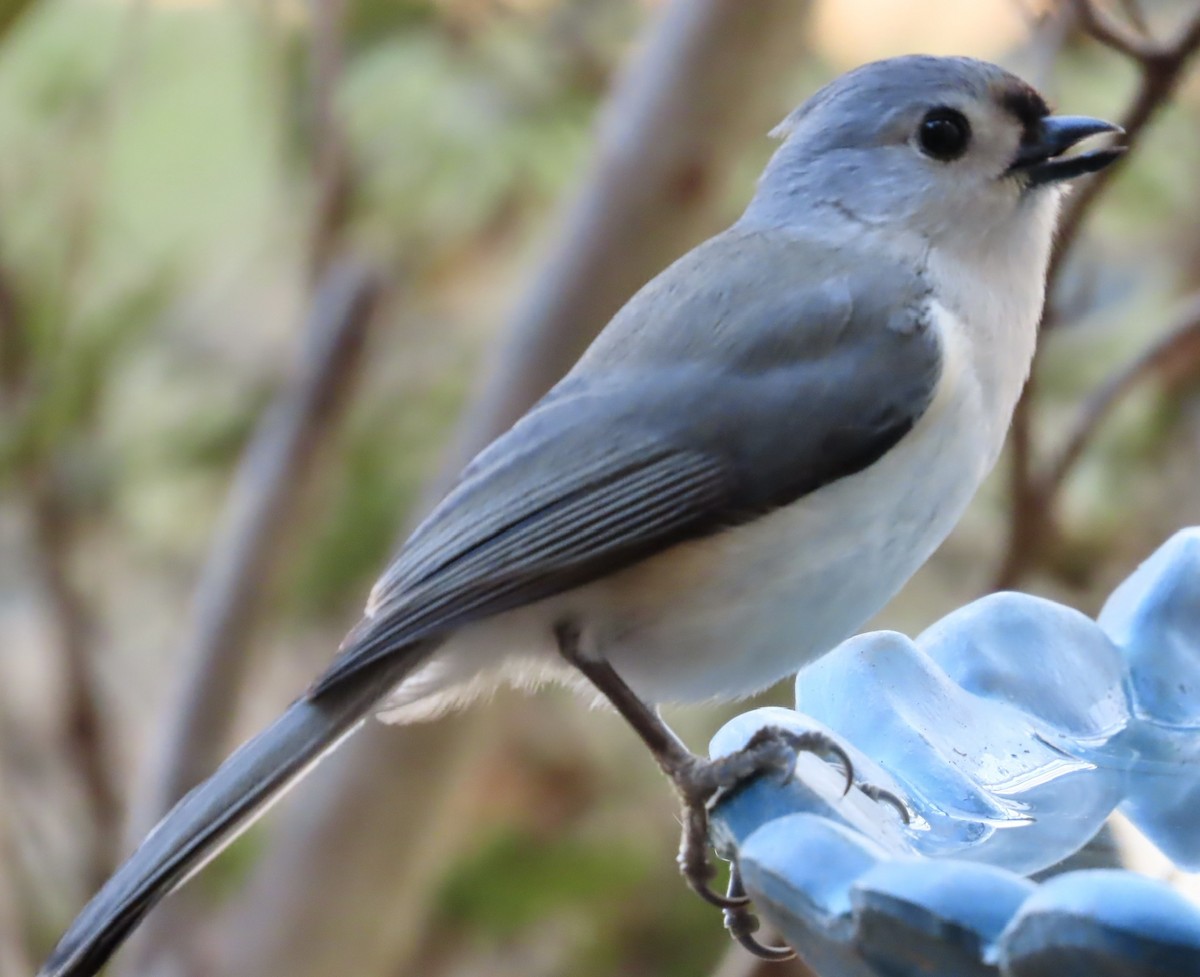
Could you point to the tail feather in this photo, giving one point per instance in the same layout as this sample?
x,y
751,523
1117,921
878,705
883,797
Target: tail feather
x,y
216,812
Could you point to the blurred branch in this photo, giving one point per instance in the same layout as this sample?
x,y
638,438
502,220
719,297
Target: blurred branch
x,y
54,536
55,532
45,486
272,469
708,79
14,954
331,156
12,343
1133,11
704,84
11,12
1174,354
274,466
1111,33
1161,66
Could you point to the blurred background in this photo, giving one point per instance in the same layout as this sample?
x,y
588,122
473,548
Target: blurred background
x,y
270,270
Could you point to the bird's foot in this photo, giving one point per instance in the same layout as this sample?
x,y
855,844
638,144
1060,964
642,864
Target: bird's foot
x,y
703,783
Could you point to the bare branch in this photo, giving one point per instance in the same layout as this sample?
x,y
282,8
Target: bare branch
x,y
1135,16
273,468
691,99
12,343
331,155
55,531
245,549
1161,67
1161,71
1177,351
54,536
1049,31
1187,41
1111,33
53,517
14,954
264,488
1023,502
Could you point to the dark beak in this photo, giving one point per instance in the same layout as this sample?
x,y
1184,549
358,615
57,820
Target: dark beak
x,y
1039,159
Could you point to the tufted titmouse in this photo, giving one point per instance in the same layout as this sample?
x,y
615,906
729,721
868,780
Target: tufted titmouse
x,y
751,459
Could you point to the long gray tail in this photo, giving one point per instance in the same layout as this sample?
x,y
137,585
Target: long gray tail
x,y
216,812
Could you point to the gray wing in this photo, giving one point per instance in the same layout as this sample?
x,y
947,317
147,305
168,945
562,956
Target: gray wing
x,y
623,460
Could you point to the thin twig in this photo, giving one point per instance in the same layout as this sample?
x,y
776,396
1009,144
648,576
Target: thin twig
x,y
273,468
14,953
245,550
1135,16
13,352
15,914
54,536
1112,33
55,532
1161,67
54,520
331,155
1178,350
279,455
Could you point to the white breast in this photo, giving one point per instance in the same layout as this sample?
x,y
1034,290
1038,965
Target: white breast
x,y
733,613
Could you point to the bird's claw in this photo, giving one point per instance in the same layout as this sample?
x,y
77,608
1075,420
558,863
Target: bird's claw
x,y
694,863
702,783
743,924
787,745
881,796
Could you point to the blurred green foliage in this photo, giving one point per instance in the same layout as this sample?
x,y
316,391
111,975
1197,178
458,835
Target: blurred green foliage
x,y
517,879
626,917
373,486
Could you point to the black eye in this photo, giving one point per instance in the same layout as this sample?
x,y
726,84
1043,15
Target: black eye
x,y
944,134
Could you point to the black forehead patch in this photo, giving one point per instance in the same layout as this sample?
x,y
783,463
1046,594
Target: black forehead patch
x,y
1024,104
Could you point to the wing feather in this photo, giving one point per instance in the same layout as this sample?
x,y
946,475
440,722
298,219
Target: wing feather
x,y
635,504
628,456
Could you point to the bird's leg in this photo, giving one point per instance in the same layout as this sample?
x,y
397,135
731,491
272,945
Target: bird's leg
x,y
700,782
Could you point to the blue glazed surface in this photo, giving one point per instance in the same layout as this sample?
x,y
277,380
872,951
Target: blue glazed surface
x,y
1011,729
1102,922
979,899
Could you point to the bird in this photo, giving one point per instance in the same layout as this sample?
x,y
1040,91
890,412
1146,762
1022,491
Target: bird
x,y
747,464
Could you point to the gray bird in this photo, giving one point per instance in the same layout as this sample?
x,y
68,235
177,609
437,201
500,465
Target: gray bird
x,y
757,452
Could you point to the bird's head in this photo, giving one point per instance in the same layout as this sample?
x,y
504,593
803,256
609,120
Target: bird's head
x,y
958,152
